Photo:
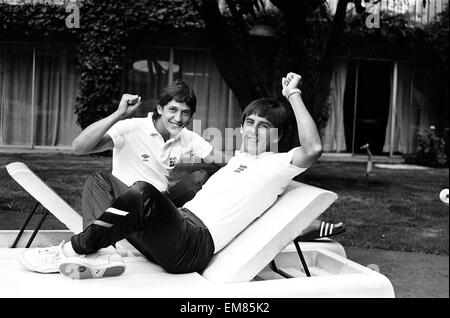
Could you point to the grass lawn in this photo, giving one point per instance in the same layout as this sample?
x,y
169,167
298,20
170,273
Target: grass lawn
x,y
395,210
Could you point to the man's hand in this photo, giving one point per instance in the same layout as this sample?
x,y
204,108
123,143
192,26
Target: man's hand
x,y
128,105
290,82
94,138
311,146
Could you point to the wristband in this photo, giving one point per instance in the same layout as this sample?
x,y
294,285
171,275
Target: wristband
x,y
293,91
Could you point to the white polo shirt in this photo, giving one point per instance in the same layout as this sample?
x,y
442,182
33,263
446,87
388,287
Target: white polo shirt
x,y
140,153
240,192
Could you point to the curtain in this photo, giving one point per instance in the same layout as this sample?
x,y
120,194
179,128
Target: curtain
x,y
16,69
333,135
218,113
431,98
146,74
419,106
405,126
56,87
47,118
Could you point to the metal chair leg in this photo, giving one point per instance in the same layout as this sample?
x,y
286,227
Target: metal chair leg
x,y
36,230
24,226
274,267
302,259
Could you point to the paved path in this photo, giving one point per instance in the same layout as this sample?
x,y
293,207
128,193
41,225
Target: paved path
x,y
413,275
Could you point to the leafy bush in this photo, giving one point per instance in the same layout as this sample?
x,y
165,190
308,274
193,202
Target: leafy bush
x,y
430,149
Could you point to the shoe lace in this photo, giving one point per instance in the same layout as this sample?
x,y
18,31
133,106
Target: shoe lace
x,y
51,254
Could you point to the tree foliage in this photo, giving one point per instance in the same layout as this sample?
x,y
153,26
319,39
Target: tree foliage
x,y
399,37
437,38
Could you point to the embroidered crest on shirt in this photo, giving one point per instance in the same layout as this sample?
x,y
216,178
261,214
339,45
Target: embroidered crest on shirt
x,y
145,157
240,169
172,161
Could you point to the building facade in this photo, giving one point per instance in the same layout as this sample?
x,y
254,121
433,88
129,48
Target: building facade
x,y
381,101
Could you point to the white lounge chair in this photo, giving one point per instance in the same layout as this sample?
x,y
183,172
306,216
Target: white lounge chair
x,y
45,196
244,268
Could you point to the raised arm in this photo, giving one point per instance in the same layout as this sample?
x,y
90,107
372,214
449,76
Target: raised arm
x,y
94,138
310,144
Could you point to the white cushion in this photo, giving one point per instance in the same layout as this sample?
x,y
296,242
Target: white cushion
x,y
245,256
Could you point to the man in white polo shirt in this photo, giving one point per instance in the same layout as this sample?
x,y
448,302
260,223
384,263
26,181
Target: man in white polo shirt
x,y
144,149
184,240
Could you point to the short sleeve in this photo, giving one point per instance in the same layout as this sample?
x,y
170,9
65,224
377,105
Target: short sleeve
x,y
119,132
288,158
199,147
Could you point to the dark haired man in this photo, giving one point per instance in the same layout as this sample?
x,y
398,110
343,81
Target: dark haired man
x,y
144,149
184,240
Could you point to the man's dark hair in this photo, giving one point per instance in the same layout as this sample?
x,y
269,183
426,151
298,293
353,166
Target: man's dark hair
x,y
270,109
179,91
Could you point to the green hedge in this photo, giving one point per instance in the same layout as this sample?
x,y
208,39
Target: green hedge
x,y
399,38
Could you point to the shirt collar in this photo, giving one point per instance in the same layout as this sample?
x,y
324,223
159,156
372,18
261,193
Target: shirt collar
x,y
151,126
154,132
175,138
246,154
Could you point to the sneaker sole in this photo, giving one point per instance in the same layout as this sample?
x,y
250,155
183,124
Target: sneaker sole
x,y
79,271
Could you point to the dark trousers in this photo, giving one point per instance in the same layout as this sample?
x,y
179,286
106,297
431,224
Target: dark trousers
x,y
173,238
101,189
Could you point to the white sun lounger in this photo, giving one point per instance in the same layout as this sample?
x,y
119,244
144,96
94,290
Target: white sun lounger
x,y
49,199
241,269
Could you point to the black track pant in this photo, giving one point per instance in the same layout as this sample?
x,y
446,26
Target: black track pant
x,y
173,238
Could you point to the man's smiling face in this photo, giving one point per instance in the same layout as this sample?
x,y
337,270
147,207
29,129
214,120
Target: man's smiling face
x,y
174,116
256,134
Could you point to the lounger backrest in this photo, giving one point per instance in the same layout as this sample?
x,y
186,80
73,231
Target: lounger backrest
x,y
45,195
257,245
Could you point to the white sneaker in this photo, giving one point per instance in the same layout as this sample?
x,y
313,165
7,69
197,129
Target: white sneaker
x,y
42,260
106,262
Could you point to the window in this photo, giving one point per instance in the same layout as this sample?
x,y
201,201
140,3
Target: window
x,y
148,70
38,87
